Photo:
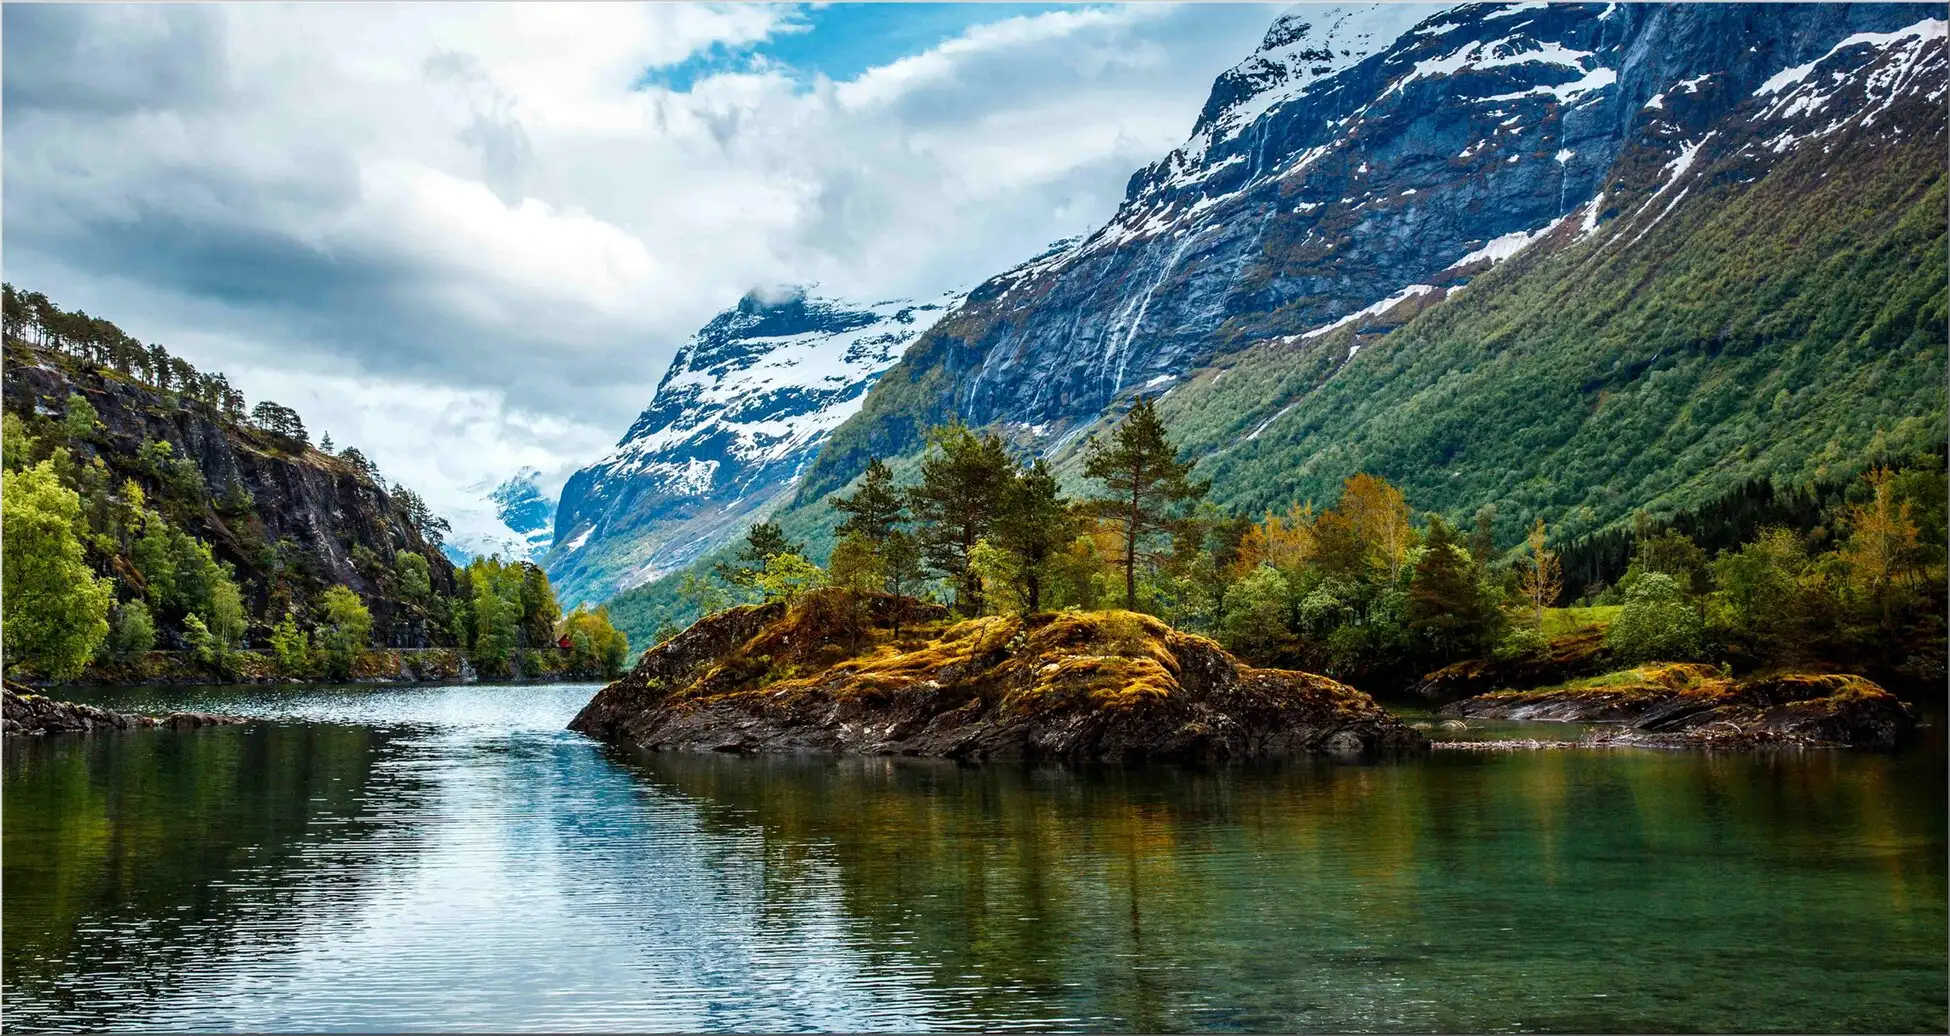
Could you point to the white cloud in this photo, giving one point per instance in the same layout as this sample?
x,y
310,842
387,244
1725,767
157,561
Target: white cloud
x,y
466,239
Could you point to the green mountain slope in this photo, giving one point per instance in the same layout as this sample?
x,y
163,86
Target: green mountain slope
x,y
1769,329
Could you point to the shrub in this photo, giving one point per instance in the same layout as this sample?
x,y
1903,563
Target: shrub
x,y
1657,623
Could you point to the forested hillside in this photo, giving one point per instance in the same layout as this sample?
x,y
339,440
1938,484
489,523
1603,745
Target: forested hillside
x,y
149,509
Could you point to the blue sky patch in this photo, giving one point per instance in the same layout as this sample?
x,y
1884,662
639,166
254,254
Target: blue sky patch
x,y
843,40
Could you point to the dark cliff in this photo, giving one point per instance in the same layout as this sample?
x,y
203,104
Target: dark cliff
x,y
289,518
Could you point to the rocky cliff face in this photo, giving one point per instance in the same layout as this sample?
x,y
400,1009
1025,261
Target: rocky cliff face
x,y
324,506
745,404
1357,170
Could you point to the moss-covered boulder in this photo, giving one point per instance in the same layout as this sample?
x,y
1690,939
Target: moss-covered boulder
x,y
1684,705
832,674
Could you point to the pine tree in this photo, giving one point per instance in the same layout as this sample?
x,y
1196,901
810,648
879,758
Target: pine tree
x,y
1144,483
962,481
763,541
1034,525
1446,605
874,509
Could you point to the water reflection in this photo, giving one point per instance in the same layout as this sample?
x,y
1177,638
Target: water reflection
x,y
449,858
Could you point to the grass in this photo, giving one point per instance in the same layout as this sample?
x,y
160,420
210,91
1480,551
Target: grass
x,y
1559,621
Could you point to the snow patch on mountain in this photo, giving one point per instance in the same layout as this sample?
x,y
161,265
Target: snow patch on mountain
x,y
513,518
744,405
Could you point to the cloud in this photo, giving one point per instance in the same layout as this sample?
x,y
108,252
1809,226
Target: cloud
x,y
471,236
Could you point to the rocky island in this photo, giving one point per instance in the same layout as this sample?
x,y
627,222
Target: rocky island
x,y
1679,705
873,673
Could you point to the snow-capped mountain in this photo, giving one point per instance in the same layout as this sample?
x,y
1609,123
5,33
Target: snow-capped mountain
x,y
745,404
1360,167
513,518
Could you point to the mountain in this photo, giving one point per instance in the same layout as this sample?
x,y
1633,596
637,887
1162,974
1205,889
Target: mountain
x,y
1568,260
745,404
1340,182
515,519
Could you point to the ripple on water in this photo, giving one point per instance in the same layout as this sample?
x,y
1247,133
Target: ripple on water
x,y
451,858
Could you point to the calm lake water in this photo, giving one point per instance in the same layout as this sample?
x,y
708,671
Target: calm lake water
x,y
450,858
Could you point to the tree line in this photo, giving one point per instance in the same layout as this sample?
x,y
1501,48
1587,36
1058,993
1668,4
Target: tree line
x,y
1366,586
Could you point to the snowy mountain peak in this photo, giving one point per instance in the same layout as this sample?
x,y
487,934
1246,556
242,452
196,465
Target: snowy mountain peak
x,y
1307,43
745,403
513,518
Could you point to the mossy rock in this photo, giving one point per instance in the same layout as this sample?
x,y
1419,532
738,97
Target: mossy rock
x,y
830,673
1683,704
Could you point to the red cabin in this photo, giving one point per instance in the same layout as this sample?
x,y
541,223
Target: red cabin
x,y
564,642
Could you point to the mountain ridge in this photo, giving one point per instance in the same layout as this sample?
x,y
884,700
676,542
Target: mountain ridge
x,y
725,436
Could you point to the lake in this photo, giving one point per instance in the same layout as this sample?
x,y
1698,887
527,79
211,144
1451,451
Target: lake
x,y
450,858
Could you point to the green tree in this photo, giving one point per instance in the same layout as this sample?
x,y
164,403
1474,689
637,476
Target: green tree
x,y
1144,482
763,541
1447,606
1256,611
227,622
1765,599
497,622
540,612
56,609
704,595
1657,624
1034,526
787,577
16,444
1000,575
1671,553
900,560
202,643
874,509
345,631
963,478
415,581
596,647
855,564
131,633
291,647
79,422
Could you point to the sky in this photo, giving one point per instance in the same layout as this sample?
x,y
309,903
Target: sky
x,y
467,239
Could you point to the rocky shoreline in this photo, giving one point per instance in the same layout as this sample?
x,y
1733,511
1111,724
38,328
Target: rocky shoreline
x,y
28,713
1685,705
874,674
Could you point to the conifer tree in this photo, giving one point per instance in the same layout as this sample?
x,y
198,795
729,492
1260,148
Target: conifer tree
x,y
763,541
1034,525
963,479
1144,482
1446,605
874,509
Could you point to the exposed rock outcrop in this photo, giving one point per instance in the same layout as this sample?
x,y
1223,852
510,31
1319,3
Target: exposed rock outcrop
x,y
29,713
1686,705
830,674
